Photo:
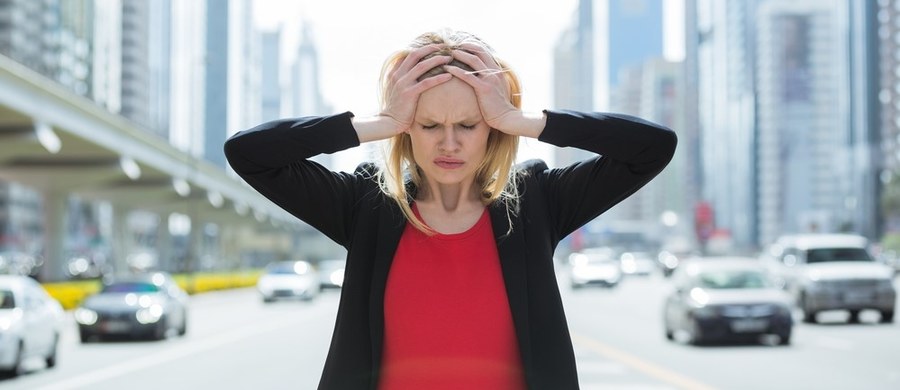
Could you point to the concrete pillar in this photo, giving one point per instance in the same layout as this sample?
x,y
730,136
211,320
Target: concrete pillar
x,y
121,243
55,207
164,244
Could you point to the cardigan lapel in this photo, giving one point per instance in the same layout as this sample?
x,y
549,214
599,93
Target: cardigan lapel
x,y
511,249
390,229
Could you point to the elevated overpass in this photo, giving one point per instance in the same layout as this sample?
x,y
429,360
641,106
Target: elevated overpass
x,y
60,143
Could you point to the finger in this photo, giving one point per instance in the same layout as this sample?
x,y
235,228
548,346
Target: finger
x,y
423,67
415,56
483,54
431,82
464,75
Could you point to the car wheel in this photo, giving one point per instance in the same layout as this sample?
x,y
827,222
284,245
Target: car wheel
x,y
784,339
669,334
51,357
887,317
268,300
183,329
696,335
16,368
159,333
854,317
809,316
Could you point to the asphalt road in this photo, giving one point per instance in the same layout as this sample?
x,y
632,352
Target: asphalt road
x,y
235,341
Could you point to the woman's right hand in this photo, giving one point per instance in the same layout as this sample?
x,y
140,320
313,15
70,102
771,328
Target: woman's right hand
x,y
404,87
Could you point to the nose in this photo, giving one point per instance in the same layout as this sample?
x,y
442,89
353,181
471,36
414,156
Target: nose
x,y
449,139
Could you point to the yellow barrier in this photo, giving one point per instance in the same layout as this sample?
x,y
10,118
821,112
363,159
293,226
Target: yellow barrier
x,y
70,294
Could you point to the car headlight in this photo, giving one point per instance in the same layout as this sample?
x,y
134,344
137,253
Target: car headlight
x,y
85,316
149,315
337,277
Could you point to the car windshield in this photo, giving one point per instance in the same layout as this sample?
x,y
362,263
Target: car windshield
x,y
290,268
732,279
827,255
7,301
131,287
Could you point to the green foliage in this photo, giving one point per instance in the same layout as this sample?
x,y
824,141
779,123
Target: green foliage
x,y
890,196
891,241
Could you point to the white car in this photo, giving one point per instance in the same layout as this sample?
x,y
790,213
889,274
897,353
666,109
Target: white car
x,y
288,280
832,272
637,263
597,266
30,323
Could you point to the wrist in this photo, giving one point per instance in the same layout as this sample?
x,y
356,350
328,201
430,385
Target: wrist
x,y
528,124
377,127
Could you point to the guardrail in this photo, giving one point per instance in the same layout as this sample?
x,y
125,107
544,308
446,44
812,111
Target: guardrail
x,y
70,294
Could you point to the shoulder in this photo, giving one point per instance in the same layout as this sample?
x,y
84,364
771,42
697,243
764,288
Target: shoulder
x,y
531,166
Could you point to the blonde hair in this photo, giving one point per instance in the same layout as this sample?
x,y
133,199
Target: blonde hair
x,y
494,176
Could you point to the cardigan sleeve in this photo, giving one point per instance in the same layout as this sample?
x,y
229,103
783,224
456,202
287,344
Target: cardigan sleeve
x,y
631,152
273,159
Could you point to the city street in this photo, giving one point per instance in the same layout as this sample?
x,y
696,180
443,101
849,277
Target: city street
x,y
237,342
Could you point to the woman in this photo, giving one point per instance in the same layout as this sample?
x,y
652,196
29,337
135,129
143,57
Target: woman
x,y
449,280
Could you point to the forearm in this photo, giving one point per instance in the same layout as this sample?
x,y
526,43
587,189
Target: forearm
x,y
374,128
279,143
526,124
622,137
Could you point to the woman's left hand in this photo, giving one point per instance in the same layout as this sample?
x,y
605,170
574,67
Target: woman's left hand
x,y
490,85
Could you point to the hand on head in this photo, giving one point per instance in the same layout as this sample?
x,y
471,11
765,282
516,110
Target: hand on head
x,y
487,79
416,74
404,86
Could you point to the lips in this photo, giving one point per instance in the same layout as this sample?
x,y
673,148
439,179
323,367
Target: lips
x,y
448,163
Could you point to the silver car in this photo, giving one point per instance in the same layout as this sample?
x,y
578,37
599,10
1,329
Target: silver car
x,y
726,299
30,323
832,272
288,280
138,306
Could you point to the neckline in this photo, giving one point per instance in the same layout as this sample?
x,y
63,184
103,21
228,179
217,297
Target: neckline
x,y
482,221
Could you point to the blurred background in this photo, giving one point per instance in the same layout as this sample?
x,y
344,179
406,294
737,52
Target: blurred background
x,y
113,114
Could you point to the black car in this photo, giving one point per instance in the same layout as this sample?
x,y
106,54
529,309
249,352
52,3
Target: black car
x,y
137,306
726,299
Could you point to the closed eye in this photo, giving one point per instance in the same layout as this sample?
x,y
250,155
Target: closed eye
x,y
467,127
429,127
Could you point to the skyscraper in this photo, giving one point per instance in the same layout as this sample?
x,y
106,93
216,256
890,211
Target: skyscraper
x,y
804,158
232,100
270,82
726,90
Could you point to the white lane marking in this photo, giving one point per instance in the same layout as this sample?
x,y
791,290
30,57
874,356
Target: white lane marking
x,y
176,352
656,371
600,368
622,386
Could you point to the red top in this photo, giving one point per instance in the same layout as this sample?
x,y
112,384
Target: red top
x,y
447,323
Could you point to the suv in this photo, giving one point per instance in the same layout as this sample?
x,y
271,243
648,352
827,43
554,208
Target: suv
x,y
832,272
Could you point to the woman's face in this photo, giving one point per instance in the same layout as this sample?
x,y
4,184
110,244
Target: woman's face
x,y
449,136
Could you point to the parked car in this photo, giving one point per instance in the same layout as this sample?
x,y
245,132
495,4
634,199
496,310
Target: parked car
x,y
288,280
832,272
637,263
331,273
595,266
726,299
30,324
137,306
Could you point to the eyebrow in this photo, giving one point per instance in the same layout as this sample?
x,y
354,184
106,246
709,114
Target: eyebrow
x,y
471,119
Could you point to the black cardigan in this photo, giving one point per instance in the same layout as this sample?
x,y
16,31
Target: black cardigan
x,y
350,209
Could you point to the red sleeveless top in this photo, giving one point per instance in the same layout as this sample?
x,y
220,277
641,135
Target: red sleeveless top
x,y
447,322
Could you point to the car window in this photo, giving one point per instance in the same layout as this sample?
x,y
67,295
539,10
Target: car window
x,y
732,279
131,287
826,255
290,268
7,300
